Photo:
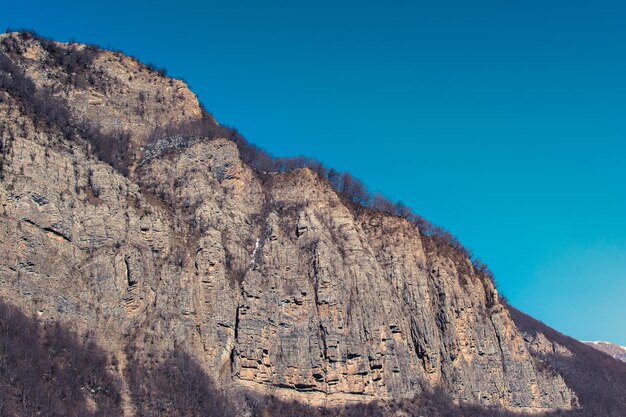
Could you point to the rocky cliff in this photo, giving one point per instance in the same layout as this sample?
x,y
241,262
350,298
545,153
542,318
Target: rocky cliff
x,y
271,281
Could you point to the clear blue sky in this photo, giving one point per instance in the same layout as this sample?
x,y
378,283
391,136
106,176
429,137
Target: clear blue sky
x,y
503,121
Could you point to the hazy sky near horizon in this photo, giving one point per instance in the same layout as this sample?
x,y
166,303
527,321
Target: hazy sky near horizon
x,y
502,121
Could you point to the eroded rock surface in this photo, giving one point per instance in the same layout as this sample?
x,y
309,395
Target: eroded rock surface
x,y
269,280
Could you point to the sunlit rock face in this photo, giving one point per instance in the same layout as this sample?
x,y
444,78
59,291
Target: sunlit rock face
x,y
271,281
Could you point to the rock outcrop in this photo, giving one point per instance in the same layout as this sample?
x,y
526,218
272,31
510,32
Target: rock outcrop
x,y
270,280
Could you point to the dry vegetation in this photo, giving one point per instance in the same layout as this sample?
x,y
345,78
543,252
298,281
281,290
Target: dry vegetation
x,y
598,379
46,369
52,112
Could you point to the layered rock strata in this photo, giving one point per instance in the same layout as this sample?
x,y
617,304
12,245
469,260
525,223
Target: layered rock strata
x,y
270,280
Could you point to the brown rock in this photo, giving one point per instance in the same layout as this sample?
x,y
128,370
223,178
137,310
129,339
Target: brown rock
x,y
269,280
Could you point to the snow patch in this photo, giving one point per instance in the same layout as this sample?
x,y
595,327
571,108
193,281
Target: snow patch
x,y
600,342
256,248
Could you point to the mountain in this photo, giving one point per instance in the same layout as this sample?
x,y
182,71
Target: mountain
x,y
618,352
597,378
155,263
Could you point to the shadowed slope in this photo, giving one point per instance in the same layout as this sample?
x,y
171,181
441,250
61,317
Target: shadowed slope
x,y
47,370
597,378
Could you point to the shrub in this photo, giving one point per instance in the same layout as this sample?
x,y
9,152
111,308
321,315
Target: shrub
x,y
175,386
46,369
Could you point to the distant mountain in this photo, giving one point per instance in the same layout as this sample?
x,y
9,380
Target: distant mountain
x,y
618,352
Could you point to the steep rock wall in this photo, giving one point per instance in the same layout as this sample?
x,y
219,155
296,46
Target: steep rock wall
x,y
269,280
334,304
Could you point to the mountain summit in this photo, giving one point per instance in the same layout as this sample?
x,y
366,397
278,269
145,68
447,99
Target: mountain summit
x,y
196,272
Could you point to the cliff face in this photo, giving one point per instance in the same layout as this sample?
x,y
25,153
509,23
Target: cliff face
x,y
269,280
